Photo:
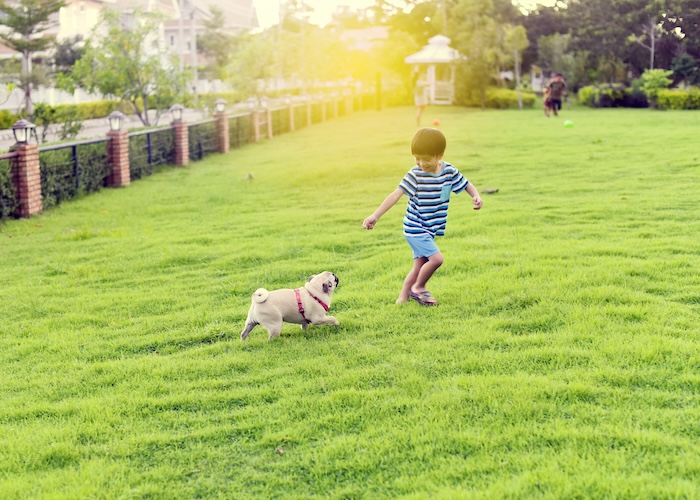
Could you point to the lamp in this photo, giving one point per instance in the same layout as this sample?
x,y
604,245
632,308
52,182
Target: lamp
x,y
252,103
220,105
264,102
115,119
22,130
176,110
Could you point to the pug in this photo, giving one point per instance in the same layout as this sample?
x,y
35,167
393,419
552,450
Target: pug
x,y
306,305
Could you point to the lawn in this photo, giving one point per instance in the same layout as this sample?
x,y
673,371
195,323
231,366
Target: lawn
x,y
562,362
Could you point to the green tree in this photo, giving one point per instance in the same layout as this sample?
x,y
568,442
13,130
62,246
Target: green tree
x,y
27,21
216,43
515,42
654,80
130,64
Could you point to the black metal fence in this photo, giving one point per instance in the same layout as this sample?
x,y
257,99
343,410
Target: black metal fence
x,y
8,198
203,139
149,149
70,170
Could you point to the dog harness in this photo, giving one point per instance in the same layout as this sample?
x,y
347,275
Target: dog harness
x,y
301,307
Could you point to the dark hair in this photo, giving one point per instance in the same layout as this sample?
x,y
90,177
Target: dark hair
x,y
428,142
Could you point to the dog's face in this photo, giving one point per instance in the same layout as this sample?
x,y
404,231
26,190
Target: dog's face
x,y
325,282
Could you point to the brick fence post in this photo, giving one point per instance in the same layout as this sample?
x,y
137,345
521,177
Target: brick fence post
x,y
222,132
182,142
255,120
118,158
268,117
309,120
26,176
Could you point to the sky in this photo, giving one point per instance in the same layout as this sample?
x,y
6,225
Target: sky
x,y
268,10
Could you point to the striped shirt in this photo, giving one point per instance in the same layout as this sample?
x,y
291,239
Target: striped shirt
x,y
429,199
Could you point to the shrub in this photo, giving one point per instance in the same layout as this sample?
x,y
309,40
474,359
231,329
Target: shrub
x,y
612,96
497,98
7,119
653,80
678,98
8,199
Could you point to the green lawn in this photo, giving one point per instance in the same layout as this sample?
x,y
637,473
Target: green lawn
x,y
562,362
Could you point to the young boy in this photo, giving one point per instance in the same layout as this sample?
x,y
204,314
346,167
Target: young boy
x,y
428,186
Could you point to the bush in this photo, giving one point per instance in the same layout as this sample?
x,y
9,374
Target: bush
x,y
678,98
7,119
612,96
8,199
497,98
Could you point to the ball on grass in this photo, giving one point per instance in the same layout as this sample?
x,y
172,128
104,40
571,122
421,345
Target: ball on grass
x,y
436,122
568,124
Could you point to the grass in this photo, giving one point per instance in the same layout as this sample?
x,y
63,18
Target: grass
x,y
563,361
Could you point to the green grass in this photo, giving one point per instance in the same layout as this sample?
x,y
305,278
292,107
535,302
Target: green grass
x,y
562,362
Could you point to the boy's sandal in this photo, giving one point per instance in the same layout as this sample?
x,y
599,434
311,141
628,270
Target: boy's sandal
x,y
423,298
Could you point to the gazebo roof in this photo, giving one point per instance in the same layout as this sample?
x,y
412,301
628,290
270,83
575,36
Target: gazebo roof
x,y
438,50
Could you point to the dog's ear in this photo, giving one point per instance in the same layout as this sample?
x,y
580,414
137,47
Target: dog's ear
x,y
310,278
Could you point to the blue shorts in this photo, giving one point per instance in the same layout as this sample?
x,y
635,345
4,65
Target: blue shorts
x,y
423,245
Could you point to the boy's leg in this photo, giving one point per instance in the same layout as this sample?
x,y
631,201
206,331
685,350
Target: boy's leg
x,y
426,272
411,278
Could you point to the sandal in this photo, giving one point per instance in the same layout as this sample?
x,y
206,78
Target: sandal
x,y
423,298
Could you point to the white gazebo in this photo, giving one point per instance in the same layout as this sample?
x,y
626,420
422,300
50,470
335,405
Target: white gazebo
x,y
435,63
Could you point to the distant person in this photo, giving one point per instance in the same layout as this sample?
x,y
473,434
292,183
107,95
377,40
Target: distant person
x,y
420,98
428,186
557,89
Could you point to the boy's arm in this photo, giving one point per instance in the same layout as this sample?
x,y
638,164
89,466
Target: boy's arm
x,y
471,189
389,202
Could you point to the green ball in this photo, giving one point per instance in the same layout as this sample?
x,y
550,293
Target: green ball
x,y
568,124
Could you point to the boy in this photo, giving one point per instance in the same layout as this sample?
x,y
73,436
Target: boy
x,y
428,186
547,102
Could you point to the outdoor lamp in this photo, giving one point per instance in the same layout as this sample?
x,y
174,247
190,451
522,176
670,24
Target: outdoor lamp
x,y
252,103
115,120
22,131
176,110
220,105
264,102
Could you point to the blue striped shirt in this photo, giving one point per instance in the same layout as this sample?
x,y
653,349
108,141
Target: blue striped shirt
x,y
429,199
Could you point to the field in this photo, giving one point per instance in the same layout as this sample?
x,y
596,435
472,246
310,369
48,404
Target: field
x,y
562,362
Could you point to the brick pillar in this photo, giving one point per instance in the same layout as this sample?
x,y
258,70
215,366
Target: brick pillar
x,y
222,132
118,158
268,117
182,143
27,179
255,120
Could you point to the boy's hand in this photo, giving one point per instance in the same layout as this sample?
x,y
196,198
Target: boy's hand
x,y
369,222
477,202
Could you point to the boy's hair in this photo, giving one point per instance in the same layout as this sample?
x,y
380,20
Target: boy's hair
x,y
428,142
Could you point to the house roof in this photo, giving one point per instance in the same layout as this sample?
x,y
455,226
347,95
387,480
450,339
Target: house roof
x,y
438,50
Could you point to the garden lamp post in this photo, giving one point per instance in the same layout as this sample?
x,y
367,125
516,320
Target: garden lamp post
x,y
220,105
115,118
176,110
22,131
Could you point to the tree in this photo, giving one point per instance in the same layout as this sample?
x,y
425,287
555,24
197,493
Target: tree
x,y
27,21
216,44
67,52
516,41
131,64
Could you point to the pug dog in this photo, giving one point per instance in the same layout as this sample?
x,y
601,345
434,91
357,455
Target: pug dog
x,y
305,305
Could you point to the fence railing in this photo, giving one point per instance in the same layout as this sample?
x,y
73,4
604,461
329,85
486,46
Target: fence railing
x,y
66,171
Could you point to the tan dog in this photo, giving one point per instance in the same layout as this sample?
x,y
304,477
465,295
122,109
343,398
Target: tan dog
x,y
304,306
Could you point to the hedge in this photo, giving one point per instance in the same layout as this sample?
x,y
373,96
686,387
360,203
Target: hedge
x,y
679,99
612,96
498,98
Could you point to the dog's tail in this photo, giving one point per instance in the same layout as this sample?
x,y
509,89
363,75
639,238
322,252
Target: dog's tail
x,y
260,295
